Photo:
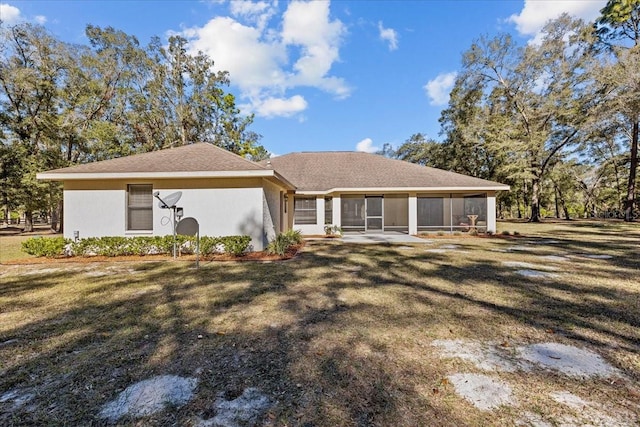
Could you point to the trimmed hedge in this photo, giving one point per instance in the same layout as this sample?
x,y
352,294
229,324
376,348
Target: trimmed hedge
x,y
139,245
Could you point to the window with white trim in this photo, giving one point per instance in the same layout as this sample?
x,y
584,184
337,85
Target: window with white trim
x,y
305,210
139,207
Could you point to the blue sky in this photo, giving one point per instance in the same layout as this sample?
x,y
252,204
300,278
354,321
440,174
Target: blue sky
x,y
341,75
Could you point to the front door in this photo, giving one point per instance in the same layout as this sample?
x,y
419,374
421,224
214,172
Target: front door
x,y
374,213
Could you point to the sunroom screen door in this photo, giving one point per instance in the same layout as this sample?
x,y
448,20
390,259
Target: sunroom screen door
x,y
374,213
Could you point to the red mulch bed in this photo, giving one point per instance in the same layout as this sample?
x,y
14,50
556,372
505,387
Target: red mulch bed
x,y
260,256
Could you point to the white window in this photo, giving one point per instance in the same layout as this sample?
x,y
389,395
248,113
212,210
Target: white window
x,y
139,207
305,210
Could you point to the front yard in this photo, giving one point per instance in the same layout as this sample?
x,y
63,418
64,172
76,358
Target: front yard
x,y
342,335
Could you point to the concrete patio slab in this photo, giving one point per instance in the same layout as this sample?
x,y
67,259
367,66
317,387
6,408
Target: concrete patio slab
x,y
381,238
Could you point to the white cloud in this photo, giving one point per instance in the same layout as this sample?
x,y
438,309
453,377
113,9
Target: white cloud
x,y
9,14
366,145
438,89
280,107
267,60
389,35
536,13
307,25
258,13
237,48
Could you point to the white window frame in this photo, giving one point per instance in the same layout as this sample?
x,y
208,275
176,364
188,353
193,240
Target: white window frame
x,y
313,209
146,207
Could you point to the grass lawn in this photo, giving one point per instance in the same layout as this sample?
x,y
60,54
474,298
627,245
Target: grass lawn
x,y
342,335
11,239
10,248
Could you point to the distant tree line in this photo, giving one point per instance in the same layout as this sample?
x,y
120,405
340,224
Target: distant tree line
x,y
62,104
556,119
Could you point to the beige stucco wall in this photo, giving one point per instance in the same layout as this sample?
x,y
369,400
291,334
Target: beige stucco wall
x,y
95,213
222,207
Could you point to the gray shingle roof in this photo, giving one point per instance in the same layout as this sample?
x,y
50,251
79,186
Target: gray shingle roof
x,y
200,157
311,171
323,171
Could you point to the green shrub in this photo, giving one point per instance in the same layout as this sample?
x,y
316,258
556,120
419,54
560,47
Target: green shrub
x,y
235,245
294,236
279,245
45,246
331,230
154,245
210,245
283,241
505,233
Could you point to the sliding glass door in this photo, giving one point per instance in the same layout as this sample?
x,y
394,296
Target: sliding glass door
x,y
374,213
352,213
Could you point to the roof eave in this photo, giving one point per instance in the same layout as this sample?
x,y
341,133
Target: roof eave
x,y
287,184
88,176
404,189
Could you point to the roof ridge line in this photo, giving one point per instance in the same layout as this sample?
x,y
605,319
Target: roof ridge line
x,y
237,155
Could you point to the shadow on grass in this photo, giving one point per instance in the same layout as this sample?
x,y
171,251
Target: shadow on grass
x,y
325,335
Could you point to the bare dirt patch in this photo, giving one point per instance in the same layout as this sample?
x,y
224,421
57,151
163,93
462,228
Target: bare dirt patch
x,y
567,359
485,356
150,396
246,410
490,392
587,413
482,391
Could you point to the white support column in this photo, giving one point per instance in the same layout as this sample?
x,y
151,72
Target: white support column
x,y
337,213
491,212
413,213
320,213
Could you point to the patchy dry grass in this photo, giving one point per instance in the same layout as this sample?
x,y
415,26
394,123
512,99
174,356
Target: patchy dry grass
x,y
11,248
340,335
11,239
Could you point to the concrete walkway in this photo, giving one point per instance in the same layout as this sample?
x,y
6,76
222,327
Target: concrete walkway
x,y
381,238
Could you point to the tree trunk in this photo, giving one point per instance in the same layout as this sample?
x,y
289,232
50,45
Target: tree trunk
x,y
60,216
563,203
54,219
535,201
555,194
28,222
631,186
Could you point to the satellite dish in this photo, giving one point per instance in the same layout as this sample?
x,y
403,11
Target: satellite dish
x,y
170,200
187,227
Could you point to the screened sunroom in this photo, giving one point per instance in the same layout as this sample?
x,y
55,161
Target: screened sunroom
x,y
375,213
452,212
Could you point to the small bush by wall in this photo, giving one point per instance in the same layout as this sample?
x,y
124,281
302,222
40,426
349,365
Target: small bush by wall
x,y
283,241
